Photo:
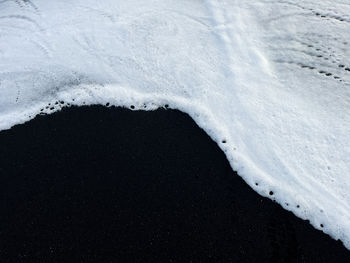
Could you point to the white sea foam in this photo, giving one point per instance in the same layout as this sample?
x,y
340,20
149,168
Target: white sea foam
x,y
268,80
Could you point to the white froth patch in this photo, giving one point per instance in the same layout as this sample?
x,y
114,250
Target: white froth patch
x,y
269,81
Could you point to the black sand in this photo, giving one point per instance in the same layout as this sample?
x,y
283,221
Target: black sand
x,y
97,184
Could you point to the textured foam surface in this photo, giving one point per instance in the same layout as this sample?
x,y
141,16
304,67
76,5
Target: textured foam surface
x,y
269,81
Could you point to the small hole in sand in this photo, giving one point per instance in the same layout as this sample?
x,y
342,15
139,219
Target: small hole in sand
x,y
298,206
132,107
270,193
107,104
321,225
256,184
166,106
223,141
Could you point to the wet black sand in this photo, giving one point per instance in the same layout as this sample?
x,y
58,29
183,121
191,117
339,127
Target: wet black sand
x,y
96,184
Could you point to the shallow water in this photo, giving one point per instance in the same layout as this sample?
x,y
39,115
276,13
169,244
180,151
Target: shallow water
x,y
113,185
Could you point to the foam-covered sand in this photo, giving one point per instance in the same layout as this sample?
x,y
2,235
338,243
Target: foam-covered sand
x,y
269,81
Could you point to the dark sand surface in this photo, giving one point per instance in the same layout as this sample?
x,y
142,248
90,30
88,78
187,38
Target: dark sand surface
x,y
96,184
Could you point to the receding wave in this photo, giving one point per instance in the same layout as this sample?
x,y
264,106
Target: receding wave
x,y
268,80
